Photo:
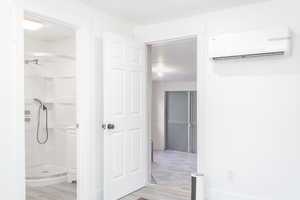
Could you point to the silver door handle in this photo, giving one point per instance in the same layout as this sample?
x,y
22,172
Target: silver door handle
x,y
108,126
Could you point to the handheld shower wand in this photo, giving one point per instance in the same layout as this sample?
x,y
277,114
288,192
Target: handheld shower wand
x,y
44,108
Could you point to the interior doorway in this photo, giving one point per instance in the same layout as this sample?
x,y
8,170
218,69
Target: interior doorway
x,y
50,109
174,112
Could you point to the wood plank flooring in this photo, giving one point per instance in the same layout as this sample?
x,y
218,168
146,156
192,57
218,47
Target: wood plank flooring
x,y
171,171
66,191
63,191
174,168
158,192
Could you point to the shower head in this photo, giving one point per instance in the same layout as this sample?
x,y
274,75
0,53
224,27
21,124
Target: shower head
x,y
41,103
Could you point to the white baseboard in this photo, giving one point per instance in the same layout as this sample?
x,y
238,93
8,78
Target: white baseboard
x,y
96,194
215,194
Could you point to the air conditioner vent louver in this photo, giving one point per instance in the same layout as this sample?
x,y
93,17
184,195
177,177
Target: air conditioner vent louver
x,y
250,55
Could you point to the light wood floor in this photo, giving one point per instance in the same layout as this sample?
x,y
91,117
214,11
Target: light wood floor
x,y
171,171
159,192
63,191
66,191
174,168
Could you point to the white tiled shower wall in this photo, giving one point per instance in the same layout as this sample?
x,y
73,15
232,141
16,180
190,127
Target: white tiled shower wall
x,y
53,81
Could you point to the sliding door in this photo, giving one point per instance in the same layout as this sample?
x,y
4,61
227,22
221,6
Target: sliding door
x,y
181,126
193,122
177,121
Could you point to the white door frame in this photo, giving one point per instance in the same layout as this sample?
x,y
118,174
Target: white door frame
x,y
200,133
85,68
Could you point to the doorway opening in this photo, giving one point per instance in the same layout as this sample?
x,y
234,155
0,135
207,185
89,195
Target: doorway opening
x,y
174,112
50,109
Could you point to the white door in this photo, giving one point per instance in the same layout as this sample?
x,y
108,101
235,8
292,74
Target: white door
x,y
124,116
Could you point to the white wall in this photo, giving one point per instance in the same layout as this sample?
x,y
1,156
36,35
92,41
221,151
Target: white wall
x,y
249,109
159,89
11,136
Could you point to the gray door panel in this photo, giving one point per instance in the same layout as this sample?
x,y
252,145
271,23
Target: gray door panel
x,y
177,121
181,121
193,125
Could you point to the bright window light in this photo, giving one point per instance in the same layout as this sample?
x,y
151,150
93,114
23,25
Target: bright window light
x,y
31,25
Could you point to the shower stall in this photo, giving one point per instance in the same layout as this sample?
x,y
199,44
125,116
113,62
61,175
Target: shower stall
x,y
50,105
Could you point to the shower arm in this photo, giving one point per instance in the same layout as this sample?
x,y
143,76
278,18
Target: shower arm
x,y
41,103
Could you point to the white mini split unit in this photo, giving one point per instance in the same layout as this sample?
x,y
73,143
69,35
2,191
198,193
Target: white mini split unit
x,y
250,44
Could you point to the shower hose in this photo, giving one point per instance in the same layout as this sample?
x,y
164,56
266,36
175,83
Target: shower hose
x,y
39,140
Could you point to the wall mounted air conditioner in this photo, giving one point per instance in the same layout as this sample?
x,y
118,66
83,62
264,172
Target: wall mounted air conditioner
x,y
269,42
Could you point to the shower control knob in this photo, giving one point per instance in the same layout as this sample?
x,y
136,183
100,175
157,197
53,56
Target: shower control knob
x,y
110,126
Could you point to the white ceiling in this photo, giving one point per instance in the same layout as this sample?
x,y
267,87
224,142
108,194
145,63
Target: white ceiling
x,y
153,11
175,60
50,31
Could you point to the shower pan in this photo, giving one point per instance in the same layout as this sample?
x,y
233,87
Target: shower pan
x,y
43,175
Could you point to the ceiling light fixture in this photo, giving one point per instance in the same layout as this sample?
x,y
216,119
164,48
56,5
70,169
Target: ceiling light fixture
x,y
160,74
31,25
161,68
42,54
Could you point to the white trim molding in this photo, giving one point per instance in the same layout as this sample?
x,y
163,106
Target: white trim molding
x,y
217,194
